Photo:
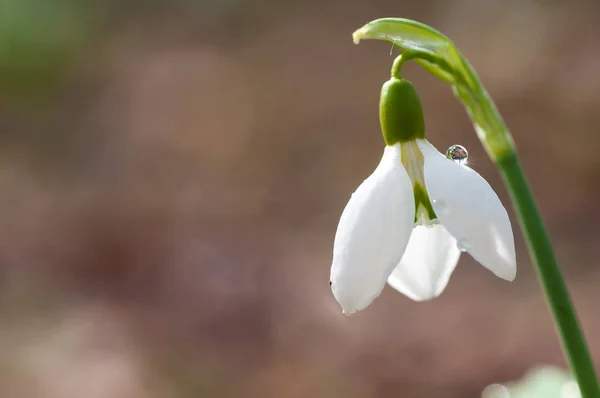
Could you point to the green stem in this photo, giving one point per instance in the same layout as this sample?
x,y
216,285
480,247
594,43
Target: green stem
x,y
551,279
399,61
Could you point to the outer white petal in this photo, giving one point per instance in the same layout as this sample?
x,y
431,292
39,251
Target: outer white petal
x,y
428,262
372,234
470,210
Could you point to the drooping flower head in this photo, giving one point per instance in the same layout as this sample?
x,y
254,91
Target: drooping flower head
x,y
409,221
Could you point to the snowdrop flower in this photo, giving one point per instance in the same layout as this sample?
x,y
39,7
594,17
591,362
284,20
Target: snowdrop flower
x,y
408,222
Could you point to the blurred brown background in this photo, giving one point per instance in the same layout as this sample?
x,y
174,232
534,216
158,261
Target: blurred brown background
x,y
172,174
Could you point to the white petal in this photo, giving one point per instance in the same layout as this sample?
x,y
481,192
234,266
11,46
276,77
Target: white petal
x,y
372,234
471,211
428,262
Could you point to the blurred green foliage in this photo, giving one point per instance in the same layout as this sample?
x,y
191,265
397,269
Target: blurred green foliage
x,y
38,40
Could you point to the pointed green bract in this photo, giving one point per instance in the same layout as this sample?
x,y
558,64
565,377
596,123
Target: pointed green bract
x,y
400,112
438,55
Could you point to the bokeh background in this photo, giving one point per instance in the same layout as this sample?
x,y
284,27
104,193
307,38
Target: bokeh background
x,y
172,174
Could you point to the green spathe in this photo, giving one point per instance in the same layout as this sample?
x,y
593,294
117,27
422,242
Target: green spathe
x,y
400,112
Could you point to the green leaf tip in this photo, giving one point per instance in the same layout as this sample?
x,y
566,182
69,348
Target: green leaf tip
x,y
403,32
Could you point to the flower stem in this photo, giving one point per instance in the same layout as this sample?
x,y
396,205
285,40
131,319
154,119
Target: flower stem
x,y
538,242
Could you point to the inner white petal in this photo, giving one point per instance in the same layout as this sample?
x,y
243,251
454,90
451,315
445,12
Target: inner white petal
x,y
429,260
414,161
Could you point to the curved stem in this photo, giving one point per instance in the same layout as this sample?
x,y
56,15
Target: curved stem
x,y
399,61
538,242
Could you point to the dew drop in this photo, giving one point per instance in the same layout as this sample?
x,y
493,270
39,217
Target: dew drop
x,y
458,153
463,245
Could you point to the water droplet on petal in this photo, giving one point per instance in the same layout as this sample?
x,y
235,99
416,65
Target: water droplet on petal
x,y
463,245
458,153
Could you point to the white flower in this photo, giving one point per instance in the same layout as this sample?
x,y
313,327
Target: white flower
x,y
408,223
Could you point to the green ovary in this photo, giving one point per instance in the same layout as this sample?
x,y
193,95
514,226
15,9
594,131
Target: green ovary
x,y
400,112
